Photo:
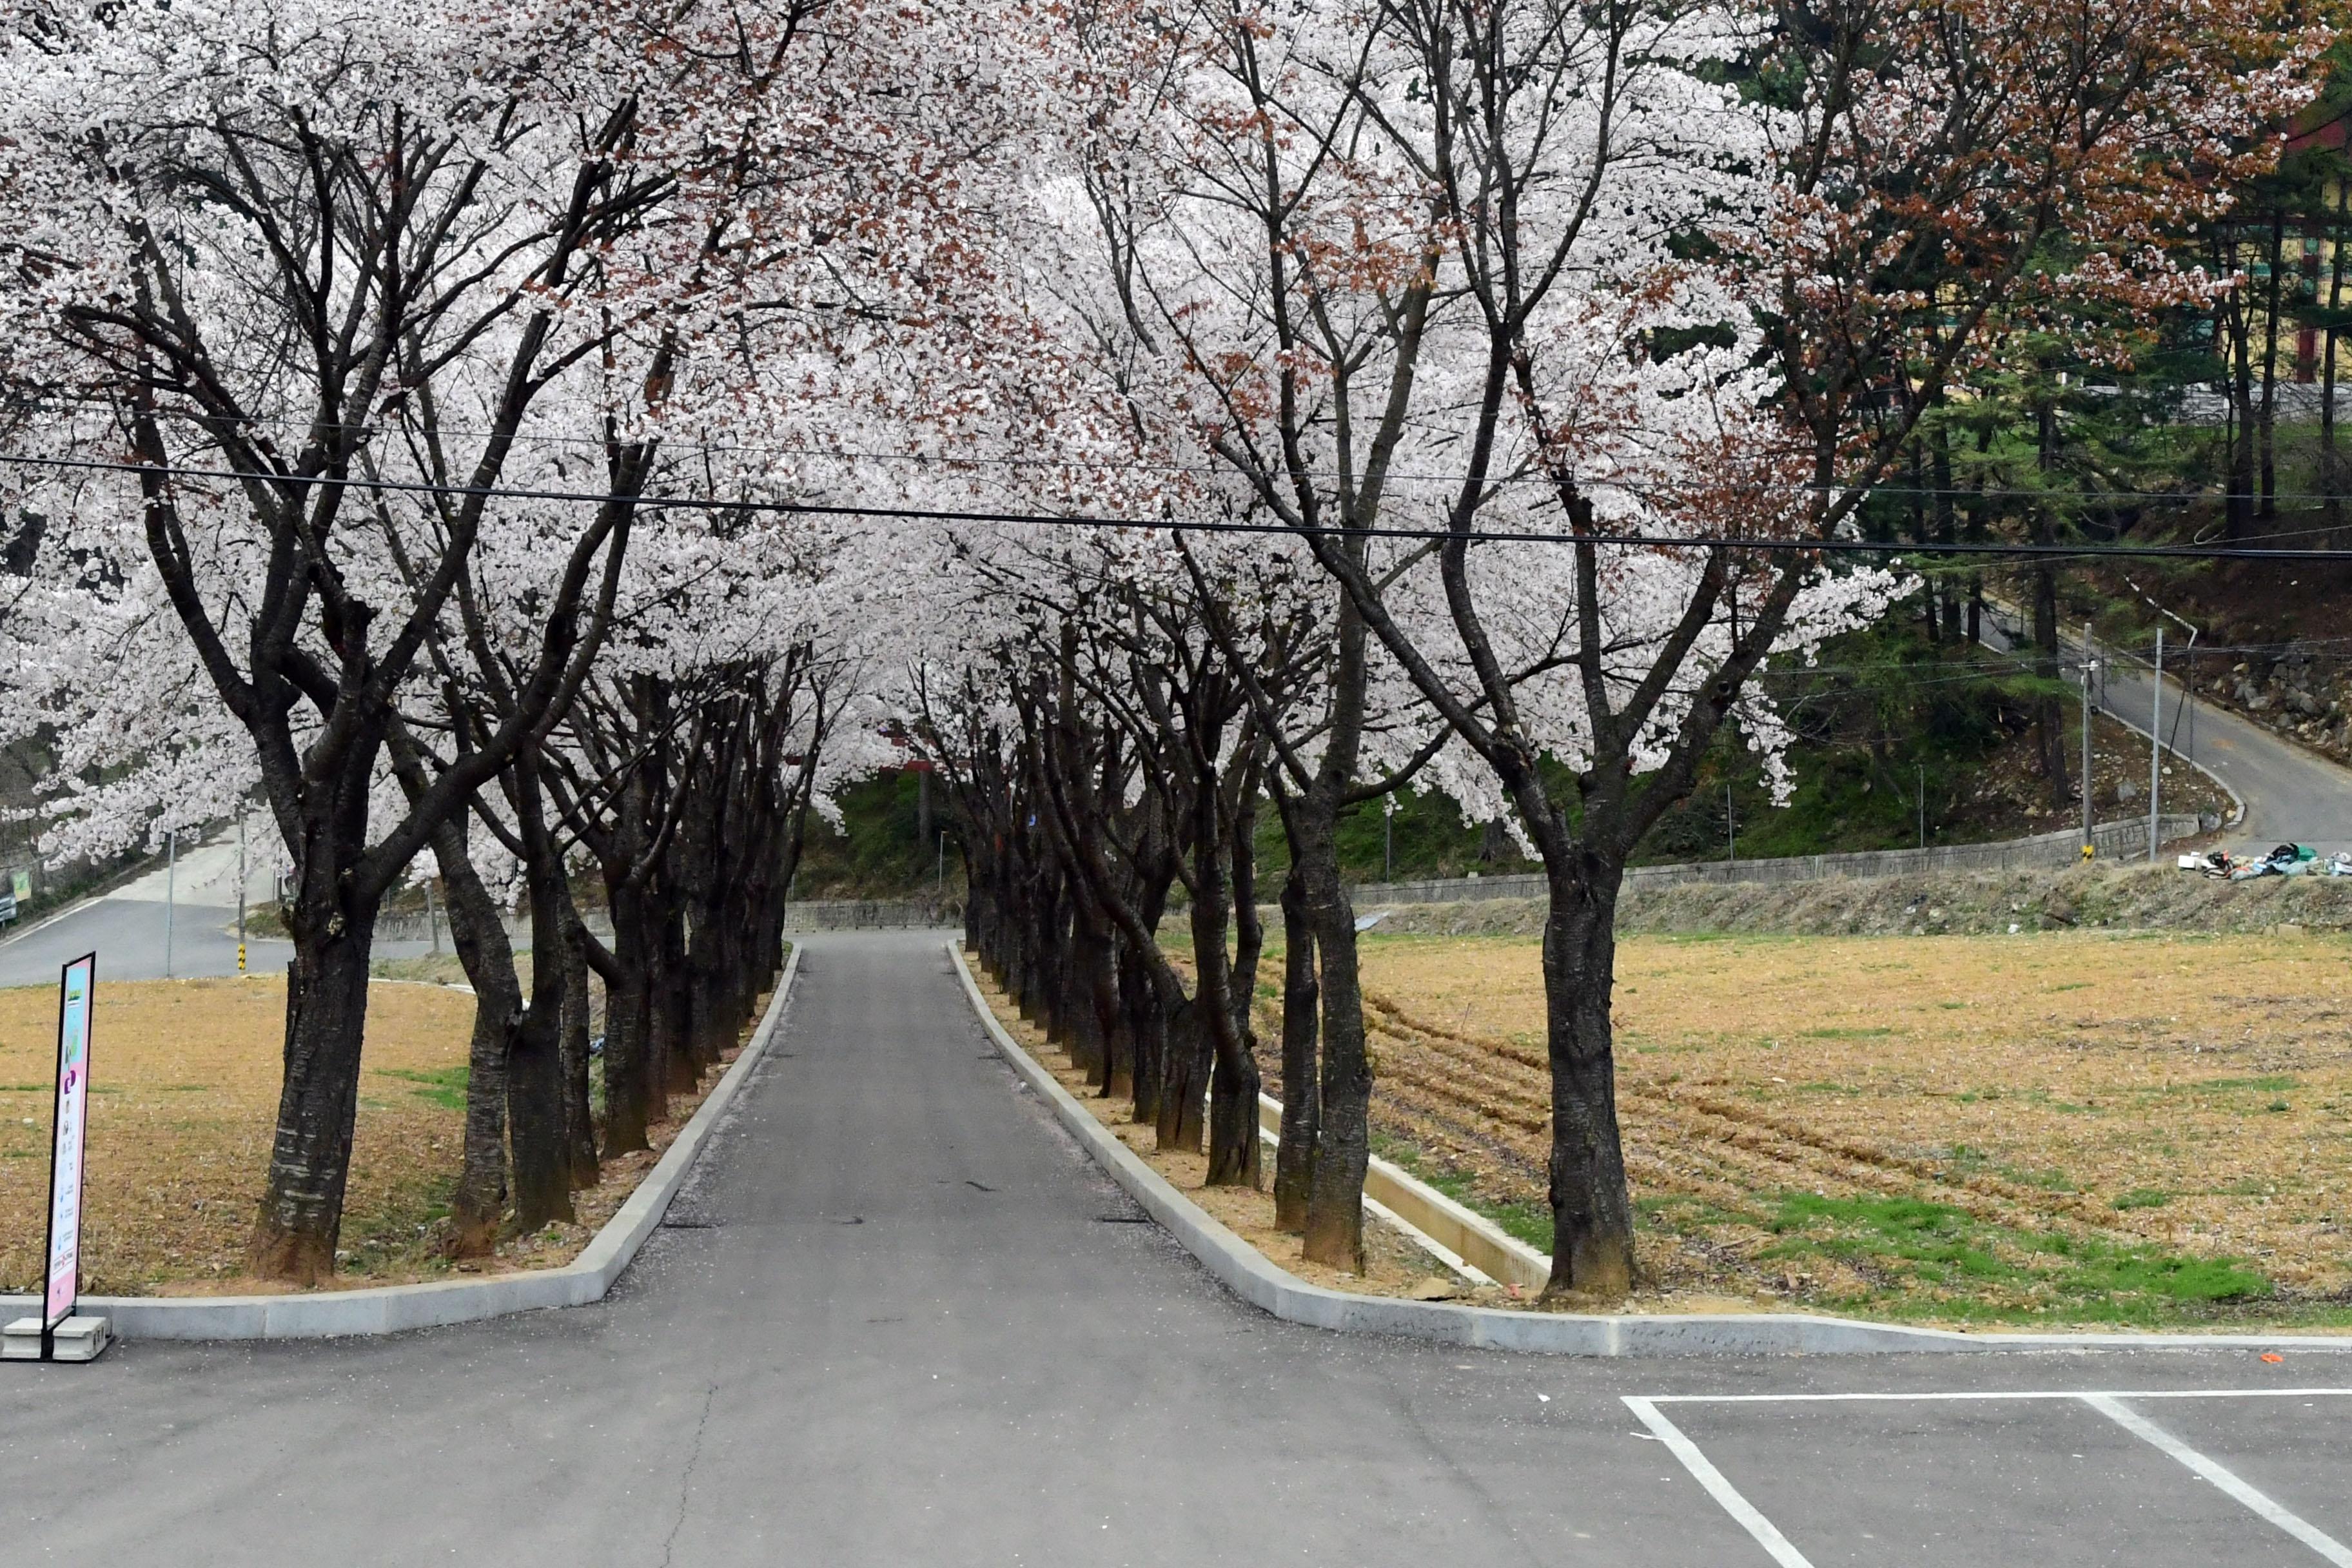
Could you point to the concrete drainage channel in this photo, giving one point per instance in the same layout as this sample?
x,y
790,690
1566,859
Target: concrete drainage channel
x,y
395,1308
1447,1229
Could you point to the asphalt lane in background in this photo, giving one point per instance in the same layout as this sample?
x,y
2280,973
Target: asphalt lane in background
x,y
128,927
898,1318
2291,794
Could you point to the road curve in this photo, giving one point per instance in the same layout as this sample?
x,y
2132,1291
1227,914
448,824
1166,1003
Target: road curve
x,y
2291,794
898,1319
180,920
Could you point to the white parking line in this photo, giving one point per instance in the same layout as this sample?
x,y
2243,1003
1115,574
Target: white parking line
x,y
2003,1393
2107,1404
2260,1503
1718,1486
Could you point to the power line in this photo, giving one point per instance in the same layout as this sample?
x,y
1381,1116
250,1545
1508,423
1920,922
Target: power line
x,y
1130,465
1892,550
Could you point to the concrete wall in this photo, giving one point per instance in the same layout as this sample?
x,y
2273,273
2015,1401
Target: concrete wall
x,y
2124,840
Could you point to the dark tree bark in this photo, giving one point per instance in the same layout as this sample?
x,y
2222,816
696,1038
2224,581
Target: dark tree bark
x,y
1294,1157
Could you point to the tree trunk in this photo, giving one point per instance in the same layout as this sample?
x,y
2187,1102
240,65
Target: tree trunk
x,y
2269,425
537,1089
1592,1214
1294,1155
2049,713
669,996
2331,483
479,935
2240,505
628,1060
1946,510
301,1211
1235,1149
579,1113
1183,1078
1335,1204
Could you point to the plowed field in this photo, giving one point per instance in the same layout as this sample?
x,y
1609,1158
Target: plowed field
x,y
2076,1126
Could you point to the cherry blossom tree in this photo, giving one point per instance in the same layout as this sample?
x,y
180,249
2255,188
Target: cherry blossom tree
x,y
327,279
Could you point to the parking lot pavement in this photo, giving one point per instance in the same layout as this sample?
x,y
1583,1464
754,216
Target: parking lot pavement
x,y
2071,1478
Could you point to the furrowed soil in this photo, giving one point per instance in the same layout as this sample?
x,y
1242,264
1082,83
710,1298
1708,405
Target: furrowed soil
x,y
2143,1128
184,1082
1392,1265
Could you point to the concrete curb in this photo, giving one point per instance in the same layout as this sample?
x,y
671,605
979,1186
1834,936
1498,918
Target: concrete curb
x,y
1251,1275
395,1308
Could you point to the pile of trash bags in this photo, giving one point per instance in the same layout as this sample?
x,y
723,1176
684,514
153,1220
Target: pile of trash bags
x,y
2285,861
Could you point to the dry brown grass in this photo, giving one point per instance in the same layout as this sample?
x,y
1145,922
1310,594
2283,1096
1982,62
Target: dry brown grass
x,y
185,1076
2114,1095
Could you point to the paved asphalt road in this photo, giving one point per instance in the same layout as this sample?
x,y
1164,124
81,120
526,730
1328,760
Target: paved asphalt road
x,y
899,1318
127,930
2291,794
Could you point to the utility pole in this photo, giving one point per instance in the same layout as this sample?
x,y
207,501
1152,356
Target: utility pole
x,y
2156,748
1730,825
1922,805
240,887
431,925
1388,837
2090,668
939,881
171,891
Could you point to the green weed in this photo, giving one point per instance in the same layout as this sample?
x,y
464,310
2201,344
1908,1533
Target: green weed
x,y
445,1088
1936,1260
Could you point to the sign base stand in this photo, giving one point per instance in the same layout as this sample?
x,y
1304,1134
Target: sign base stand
x,y
78,1338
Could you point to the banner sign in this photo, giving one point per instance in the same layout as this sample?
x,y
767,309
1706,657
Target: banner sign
x,y
20,883
70,1122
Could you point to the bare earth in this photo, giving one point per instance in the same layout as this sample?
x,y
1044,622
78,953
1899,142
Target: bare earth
x,y
2125,1127
184,1078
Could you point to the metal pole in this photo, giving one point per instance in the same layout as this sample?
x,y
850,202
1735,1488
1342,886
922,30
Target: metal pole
x,y
939,881
1388,838
1731,825
432,926
2156,748
2089,668
240,889
1922,805
170,892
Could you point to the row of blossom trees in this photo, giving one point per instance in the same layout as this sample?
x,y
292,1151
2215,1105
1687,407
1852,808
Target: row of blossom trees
x,y
1549,343
359,359
1473,393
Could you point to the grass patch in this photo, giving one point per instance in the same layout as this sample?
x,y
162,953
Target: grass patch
x,y
2143,1198
1874,1032
1924,1258
444,1087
